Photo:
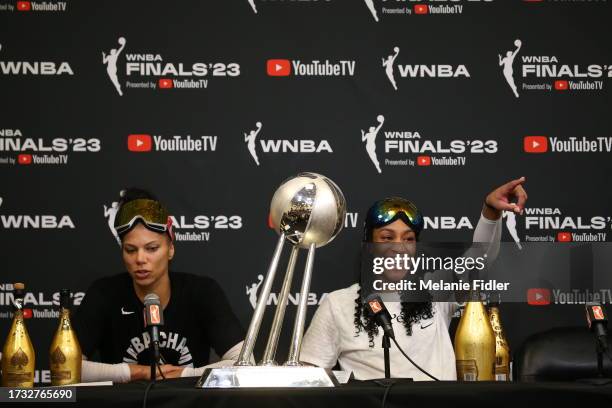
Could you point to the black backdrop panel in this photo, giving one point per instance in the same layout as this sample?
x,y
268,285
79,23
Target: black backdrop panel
x,y
66,149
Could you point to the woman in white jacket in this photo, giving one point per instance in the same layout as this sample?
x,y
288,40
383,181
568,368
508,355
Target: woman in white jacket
x,y
342,332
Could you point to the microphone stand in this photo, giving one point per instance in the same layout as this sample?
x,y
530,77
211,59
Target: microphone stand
x,y
600,372
601,378
386,344
154,354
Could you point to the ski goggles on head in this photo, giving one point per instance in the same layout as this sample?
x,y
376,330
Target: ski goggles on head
x,y
388,210
151,213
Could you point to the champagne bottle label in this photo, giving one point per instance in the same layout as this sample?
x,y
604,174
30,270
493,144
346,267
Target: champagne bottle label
x,y
57,359
14,379
467,370
19,359
501,369
502,350
15,373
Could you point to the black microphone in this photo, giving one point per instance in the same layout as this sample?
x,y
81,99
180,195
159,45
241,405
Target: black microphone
x,y
598,323
381,315
153,317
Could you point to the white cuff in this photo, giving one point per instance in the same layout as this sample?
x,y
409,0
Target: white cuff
x,y
92,371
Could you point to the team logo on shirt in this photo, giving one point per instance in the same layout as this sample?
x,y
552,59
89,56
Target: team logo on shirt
x,y
170,344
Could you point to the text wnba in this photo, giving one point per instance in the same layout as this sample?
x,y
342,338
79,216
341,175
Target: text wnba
x,y
295,146
36,222
433,71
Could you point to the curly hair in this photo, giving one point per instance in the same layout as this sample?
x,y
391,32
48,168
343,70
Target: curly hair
x,y
411,312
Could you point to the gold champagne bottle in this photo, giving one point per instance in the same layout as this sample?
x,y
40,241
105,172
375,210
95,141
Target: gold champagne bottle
x,y
502,349
65,352
18,356
475,343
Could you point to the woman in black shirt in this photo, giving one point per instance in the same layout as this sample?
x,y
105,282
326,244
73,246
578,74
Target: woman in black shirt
x,y
110,322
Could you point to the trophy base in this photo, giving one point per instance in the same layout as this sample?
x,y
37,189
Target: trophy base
x,y
266,377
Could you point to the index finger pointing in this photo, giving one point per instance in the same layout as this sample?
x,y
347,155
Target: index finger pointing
x,y
512,184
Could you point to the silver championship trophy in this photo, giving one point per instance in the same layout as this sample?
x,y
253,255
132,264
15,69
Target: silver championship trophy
x,y
307,211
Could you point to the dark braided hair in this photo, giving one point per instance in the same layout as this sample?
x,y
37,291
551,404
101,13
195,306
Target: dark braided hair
x,y
411,312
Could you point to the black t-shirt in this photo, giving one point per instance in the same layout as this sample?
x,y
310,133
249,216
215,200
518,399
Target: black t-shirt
x,y
198,316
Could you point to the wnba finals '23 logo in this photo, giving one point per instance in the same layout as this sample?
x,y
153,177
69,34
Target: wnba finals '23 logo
x,y
151,71
412,148
545,73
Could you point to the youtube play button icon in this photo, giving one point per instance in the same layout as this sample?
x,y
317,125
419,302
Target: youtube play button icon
x,y
24,159
424,161
535,144
564,237
139,143
561,85
24,6
279,67
538,296
421,9
165,83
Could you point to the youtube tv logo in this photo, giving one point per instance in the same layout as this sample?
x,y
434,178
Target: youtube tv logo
x,y
564,237
561,85
24,159
139,143
278,67
424,161
165,83
24,6
535,144
421,9
538,296
27,313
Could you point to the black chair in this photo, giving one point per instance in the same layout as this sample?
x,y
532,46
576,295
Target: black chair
x,y
559,354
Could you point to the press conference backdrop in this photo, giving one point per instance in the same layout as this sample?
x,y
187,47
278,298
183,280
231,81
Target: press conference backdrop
x,y
212,104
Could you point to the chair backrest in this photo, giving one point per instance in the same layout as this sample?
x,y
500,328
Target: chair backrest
x,y
559,354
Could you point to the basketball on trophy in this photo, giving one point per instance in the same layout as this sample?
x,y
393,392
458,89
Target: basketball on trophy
x,y
308,208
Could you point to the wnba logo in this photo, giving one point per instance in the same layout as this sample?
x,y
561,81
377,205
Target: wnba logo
x,y
507,65
110,61
282,145
294,298
369,138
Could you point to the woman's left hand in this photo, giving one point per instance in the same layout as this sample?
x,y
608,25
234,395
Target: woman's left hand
x,y
509,197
